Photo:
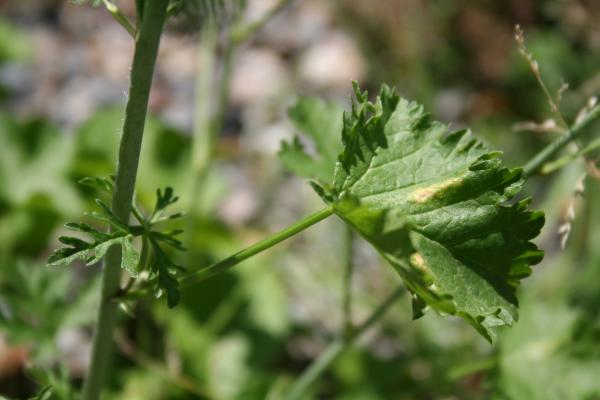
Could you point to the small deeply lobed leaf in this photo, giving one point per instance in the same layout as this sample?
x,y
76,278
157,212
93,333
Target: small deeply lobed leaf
x,y
163,272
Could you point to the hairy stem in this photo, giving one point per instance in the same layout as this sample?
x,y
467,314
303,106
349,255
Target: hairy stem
x,y
224,265
548,152
337,347
146,50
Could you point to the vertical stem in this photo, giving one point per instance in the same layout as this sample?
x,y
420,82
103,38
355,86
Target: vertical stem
x,y
337,347
212,85
205,89
347,284
202,142
212,99
144,59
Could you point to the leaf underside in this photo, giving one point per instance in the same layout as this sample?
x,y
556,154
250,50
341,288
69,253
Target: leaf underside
x,y
434,204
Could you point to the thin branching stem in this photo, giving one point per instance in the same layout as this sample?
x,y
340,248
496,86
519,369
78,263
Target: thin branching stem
x,y
272,240
337,347
241,34
146,50
233,260
548,152
554,102
119,17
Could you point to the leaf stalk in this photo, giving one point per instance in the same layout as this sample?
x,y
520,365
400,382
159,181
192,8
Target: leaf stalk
x,y
231,261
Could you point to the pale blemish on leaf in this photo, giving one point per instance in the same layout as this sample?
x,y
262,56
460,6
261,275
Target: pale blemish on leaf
x,y
417,260
422,195
434,288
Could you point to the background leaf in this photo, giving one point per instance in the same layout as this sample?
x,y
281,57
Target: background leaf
x,y
321,122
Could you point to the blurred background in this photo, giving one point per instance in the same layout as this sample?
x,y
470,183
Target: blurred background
x,y
224,80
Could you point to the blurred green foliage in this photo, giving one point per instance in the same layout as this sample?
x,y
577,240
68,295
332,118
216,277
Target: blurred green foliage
x,y
249,333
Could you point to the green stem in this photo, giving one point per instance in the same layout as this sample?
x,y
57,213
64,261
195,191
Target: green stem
x,y
566,159
205,88
212,98
347,284
139,13
144,59
558,144
224,265
337,347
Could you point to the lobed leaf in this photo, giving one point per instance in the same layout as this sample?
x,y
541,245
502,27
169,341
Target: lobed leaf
x,y
550,355
322,122
434,203
163,200
162,271
89,252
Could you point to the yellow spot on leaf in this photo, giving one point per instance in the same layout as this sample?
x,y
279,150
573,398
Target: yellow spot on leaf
x,y
417,260
424,194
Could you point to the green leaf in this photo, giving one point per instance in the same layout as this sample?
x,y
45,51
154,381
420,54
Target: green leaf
x,y
99,183
40,303
163,200
85,228
168,284
546,357
15,45
434,204
129,256
34,162
169,239
109,217
164,271
44,393
322,122
79,249
92,252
